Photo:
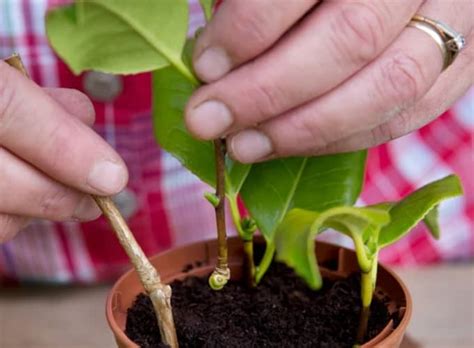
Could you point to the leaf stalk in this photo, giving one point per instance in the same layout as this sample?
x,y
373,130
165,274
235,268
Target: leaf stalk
x,y
265,262
246,234
367,287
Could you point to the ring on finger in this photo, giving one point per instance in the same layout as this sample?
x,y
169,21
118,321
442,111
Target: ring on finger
x,y
448,40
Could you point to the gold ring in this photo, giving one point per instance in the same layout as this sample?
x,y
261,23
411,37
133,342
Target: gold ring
x,y
448,40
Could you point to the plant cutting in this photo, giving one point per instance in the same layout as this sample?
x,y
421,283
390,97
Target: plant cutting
x,y
302,194
371,229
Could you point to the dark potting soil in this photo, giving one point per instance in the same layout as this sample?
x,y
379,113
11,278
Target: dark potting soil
x,y
281,312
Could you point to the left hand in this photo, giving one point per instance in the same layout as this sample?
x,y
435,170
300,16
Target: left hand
x,y
295,78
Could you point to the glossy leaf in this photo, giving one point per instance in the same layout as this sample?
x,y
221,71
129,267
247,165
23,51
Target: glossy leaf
x,y
430,220
236,174
120,36
171,91
293,246
316,183
415,207
294,238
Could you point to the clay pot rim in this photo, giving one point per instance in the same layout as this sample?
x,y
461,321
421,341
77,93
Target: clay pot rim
x,y
120,334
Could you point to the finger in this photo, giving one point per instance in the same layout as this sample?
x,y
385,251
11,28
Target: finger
x,y
56,143
240,31
26,191
300,67
394,82
438,99
74,102
10,225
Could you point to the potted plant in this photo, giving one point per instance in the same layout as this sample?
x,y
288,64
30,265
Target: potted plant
x,y
289,201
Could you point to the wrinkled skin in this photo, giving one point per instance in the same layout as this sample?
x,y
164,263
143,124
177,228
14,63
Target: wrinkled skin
x,y
303,78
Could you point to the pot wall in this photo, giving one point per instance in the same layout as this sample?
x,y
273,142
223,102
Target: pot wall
x,y
334,261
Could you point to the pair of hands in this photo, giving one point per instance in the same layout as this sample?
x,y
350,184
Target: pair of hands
x,y
284,78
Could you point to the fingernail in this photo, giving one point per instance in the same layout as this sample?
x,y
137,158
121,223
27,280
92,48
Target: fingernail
x,y
212,64
210,119
86,210
107,177
250,145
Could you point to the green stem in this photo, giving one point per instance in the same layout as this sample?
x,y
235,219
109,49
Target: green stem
x,y
367,287
235,213
249,263
265,262
247,237
362,258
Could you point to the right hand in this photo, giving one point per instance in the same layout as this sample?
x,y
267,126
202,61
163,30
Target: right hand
x,y
50,158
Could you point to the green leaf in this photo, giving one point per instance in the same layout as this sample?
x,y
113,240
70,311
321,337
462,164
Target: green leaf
x,y
120,36
415,207
171,91
431,222
236,174
316,183
207,6
187,54
80,11
293,246
294,238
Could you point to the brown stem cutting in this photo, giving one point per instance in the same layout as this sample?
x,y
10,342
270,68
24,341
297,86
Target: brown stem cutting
x,y
160,294
363,324
221,273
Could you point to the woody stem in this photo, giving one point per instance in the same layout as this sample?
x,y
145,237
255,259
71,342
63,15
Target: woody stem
x,y
160,294
221,273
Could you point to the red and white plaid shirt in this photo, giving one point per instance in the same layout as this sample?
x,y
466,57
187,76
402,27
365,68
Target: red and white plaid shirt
x,y
170,208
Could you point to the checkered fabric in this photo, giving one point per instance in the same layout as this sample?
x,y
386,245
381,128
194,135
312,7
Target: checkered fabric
x,y
171,210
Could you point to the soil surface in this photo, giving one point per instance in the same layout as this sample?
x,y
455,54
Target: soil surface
x,y
280,312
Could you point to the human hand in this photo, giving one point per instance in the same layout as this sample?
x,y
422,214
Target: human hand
x,y
291,78
49,157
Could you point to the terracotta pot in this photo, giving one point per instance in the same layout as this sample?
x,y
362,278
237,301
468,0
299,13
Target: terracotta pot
x,y
335,262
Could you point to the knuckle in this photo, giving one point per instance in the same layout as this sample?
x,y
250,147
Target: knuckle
x,y
7,96
381,134
85,105
401,124
8,227
402,80
316,136
54,203
269,99
59,144
393,129
252,26
357,32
